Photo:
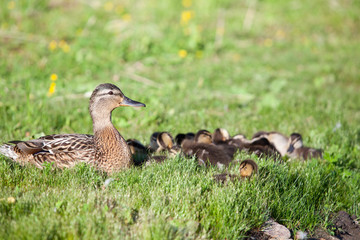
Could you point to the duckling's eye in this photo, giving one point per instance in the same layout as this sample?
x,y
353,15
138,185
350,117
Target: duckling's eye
x,y
110,93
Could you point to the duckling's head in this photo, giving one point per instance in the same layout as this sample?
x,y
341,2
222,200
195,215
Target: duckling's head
x,y
247,168
296,140
165,140
203,136
153,146
106,97
220,135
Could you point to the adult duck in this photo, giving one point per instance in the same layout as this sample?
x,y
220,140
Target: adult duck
x,y
106,150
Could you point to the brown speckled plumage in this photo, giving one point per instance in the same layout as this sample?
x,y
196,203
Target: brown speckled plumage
x,y
107,150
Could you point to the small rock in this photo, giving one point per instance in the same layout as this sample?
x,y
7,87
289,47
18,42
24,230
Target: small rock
x,y
300,235
107,182
276,231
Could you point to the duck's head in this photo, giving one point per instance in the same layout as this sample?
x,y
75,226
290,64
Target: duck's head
x,y
203,136
220,135
247,168
106,97
295,141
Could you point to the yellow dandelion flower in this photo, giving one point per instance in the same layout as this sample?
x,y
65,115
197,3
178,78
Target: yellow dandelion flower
x,y
11,5
66,48
268,42
109,6
199,54
182,53
53,77
186,3
126,17
119,9
52,45
51,89
186,16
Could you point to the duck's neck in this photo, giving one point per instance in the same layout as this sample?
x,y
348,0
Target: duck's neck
x,y
112,151
101,120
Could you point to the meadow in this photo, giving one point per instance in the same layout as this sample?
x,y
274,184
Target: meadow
x,y
289,66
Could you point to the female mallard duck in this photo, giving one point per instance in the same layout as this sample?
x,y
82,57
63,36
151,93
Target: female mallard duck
x,y
106,150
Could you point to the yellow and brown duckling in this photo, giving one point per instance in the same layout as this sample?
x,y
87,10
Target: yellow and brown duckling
x,y
203,136
297,150
107,150
166,143
221,138
220,135
138,151
248,168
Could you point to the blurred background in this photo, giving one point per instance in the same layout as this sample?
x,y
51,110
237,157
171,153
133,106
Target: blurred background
x,y
290,66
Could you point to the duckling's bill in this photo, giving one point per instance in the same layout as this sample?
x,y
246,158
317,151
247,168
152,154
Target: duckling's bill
x,y
131,103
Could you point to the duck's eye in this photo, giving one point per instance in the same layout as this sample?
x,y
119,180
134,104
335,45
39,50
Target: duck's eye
x,y
110,93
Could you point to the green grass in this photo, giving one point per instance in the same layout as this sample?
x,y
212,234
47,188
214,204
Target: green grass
x,y
295,69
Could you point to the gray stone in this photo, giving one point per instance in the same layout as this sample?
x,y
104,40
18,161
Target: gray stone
x,y
275,231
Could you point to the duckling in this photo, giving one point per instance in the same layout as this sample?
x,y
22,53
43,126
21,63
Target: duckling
x,y
203,136
279,141
138,151
181,136
220,135
260,146
206,153
221,138
106,150
248,168
153,145
166,143
297,150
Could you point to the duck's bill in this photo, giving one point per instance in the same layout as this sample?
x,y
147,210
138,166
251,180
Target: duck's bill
x,y
291,148
131,103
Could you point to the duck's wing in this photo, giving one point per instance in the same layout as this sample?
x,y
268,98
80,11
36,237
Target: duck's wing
x,y
56,143
64,150
64,143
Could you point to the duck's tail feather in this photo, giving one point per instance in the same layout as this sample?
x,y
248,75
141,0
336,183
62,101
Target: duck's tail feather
x,y
8,151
